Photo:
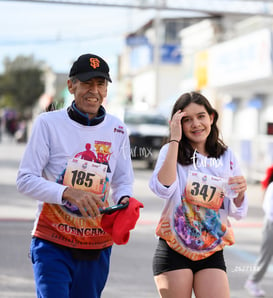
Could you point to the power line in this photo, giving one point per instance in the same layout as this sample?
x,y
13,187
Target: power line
x,y
266,9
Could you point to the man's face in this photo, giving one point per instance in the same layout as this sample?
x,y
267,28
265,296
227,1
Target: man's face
x,y
88,95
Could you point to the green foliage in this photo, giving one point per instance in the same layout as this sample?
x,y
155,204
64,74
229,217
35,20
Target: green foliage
x,y
22,83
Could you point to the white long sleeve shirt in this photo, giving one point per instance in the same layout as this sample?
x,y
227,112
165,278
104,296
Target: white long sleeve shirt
x,y
194,221
62,152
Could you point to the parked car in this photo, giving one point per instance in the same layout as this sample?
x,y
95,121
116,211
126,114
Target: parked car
x,y
147,131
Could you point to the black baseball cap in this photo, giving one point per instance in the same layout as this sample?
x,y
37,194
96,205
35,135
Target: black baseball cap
x,y
89,66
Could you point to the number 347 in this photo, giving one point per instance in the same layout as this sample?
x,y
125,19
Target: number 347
x,y
203,190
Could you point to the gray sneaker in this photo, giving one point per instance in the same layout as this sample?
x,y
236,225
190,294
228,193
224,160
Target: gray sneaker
x,y
254,289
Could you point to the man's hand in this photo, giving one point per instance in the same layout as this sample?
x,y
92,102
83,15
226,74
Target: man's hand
x,y
124,200
88,203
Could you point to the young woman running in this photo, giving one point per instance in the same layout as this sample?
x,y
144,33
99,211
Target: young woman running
x,y
200,180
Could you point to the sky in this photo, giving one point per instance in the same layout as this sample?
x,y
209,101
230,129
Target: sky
x,y
58,34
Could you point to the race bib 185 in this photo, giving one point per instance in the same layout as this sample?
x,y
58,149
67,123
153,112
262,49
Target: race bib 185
x,y
86,175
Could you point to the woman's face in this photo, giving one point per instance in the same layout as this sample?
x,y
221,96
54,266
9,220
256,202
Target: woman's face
x,y
196,125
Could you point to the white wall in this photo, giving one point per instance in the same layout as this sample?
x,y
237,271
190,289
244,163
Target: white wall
x,y
144,85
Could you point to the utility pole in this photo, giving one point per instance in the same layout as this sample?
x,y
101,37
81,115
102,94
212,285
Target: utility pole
x,y
157,47
156,53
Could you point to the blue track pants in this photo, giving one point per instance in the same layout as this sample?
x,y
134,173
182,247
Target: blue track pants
x,y
58,274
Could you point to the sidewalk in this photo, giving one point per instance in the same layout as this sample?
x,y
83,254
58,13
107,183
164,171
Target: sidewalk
x,y
14,206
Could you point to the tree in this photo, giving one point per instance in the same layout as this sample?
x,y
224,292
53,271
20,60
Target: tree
x,y
22,83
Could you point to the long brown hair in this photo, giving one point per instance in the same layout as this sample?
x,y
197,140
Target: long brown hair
x,y
214,145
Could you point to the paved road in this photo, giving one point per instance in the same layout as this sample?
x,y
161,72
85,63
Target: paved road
x,y
131,274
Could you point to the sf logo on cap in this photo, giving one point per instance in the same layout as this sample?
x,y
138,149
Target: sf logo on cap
x,y
94,62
